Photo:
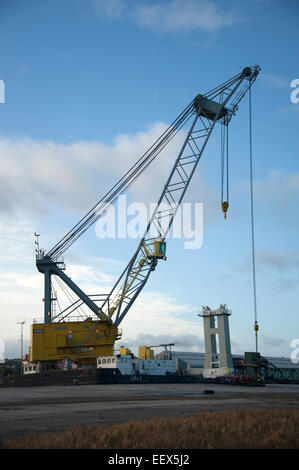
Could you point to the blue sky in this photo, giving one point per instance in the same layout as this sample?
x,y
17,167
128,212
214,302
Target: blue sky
x,y
88,86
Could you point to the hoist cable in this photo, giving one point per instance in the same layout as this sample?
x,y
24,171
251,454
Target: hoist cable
x,y
252,221
224,169
227,187
222,163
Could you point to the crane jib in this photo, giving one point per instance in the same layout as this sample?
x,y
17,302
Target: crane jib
x,y
216,106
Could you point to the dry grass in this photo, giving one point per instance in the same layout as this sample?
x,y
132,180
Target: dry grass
x,y
241,429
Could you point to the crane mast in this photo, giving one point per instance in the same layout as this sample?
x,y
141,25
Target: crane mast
x,y
216,106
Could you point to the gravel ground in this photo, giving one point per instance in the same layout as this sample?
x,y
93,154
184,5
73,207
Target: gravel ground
x,y
59,407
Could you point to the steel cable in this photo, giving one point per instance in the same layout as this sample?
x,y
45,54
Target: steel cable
x,y
252,219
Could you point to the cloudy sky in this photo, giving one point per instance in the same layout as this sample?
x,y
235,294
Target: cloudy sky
x,y
89,85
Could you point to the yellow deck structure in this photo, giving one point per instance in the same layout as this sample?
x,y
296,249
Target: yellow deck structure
x,y
74,340
145,352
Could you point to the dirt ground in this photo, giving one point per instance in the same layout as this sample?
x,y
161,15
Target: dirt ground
x,y
56,408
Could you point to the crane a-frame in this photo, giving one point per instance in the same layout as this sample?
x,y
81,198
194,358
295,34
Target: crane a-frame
x,y
201,114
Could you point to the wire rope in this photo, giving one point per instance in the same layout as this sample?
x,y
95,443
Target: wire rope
x,y
252,223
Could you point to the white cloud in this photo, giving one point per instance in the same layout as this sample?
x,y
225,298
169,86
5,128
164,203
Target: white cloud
x,y
279,261
168,16
183,342
16,279
276,81
12,348
278,190
111,9
157,314
85,172
16,240
37,175
291,109
284,285
88,275
109,261
273,342
182,15
273,260
280,183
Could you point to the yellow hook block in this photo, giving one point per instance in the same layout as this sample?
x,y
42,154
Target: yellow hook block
x,y
225,207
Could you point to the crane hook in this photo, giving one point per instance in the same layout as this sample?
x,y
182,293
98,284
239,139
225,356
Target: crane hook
x,y
225,206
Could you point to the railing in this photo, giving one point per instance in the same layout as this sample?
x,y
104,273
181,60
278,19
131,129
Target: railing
x,y
68,319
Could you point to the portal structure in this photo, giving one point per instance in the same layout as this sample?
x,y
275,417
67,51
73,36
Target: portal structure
x,y
218,359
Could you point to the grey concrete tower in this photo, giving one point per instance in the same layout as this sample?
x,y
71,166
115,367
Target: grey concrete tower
x,y
217,338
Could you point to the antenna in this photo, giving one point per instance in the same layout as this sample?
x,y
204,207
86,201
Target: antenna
x,y
36,243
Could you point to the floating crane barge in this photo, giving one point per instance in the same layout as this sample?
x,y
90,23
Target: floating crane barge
x,y
57,337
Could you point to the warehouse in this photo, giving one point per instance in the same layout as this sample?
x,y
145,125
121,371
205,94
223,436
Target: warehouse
x,y
278,368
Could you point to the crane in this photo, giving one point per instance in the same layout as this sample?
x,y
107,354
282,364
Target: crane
x,y
218,105
165,346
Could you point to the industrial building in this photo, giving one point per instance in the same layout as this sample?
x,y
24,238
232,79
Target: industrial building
x,y
218,361
279,368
